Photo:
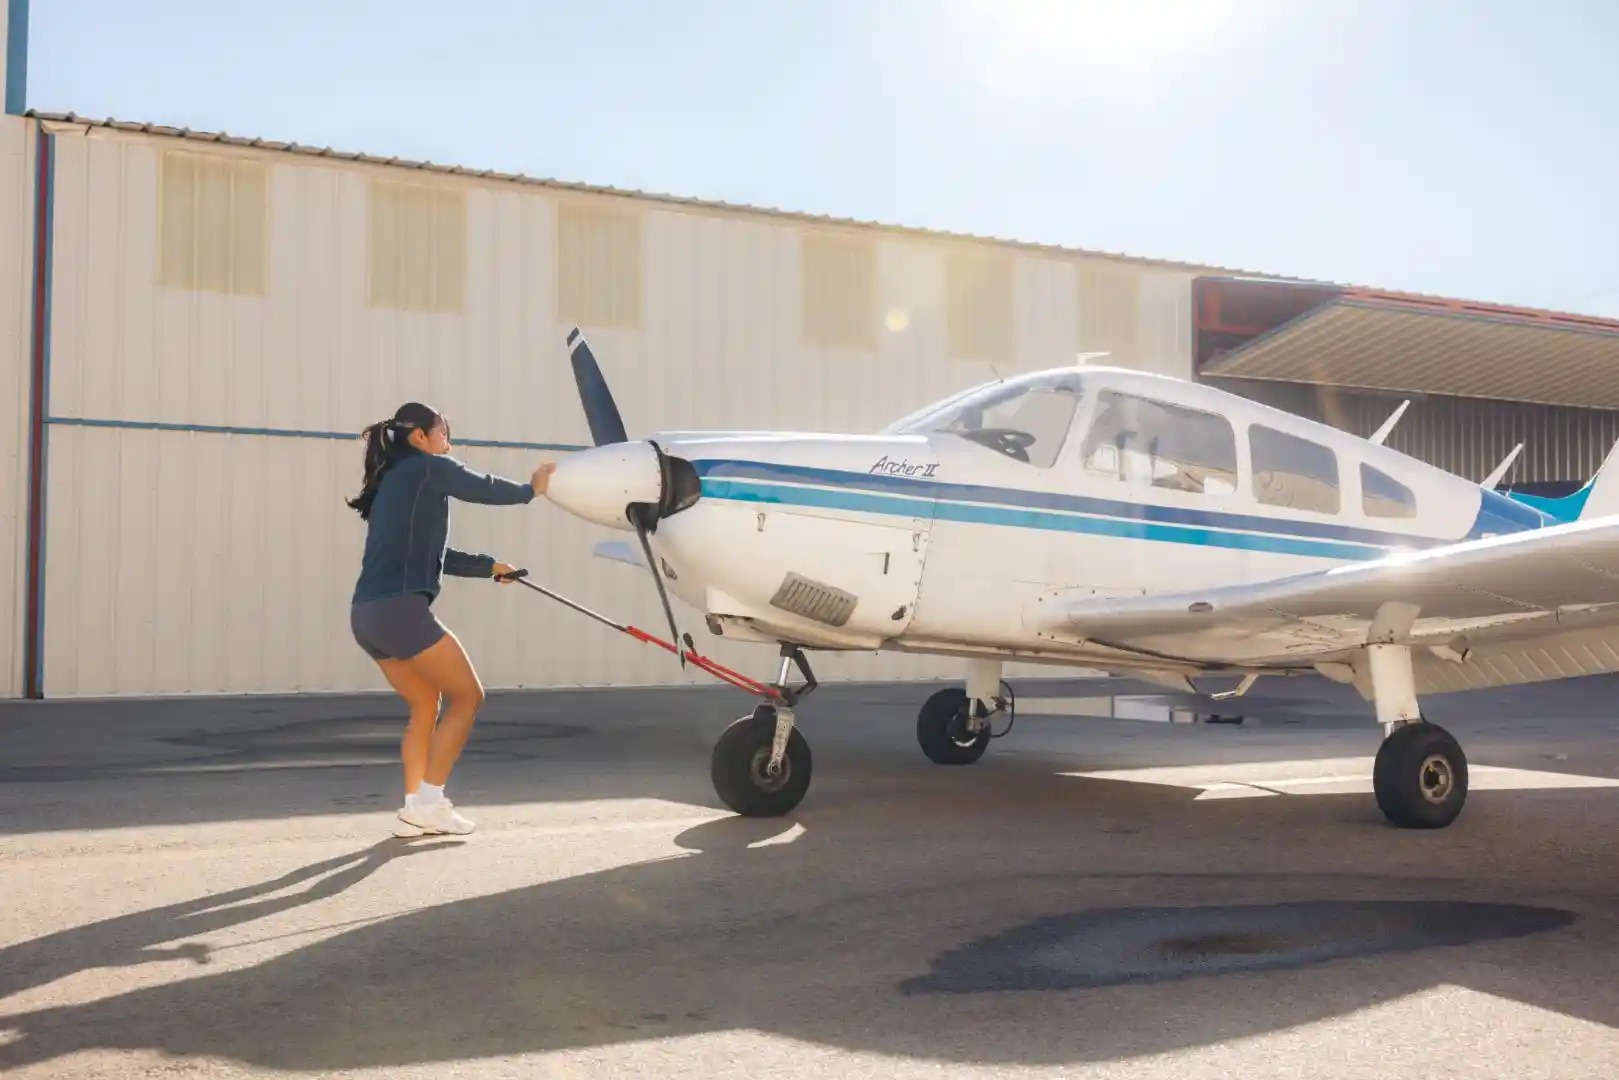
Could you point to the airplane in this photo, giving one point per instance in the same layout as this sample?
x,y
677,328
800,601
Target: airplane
x,y
1104,518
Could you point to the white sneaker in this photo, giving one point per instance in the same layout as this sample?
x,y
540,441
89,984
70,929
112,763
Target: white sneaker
x,y
440,817
405,830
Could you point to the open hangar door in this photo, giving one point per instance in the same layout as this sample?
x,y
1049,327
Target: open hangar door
x,y
1481,378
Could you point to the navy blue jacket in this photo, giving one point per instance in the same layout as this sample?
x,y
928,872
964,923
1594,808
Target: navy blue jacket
x,y
406,543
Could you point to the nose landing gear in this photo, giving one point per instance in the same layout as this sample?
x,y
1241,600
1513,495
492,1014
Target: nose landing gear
x,y
761,765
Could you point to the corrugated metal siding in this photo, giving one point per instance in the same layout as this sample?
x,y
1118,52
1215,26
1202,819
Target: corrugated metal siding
x,y
192,562
16,267
1465,436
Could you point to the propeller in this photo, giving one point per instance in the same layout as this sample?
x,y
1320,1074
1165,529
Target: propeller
x,y
607,427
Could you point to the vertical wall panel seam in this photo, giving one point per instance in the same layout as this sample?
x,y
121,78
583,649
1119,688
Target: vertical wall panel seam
x,y
39,409
17,57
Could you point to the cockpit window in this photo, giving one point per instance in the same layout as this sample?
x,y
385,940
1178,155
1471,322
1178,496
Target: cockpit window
x,y
1027,419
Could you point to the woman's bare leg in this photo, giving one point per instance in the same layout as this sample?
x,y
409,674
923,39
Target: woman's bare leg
x,y
446,668
423,699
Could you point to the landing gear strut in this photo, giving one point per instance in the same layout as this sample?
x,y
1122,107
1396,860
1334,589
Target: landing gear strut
x,y
761,764
1420,776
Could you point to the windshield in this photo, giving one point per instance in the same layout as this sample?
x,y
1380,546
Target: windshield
x,y
1026,419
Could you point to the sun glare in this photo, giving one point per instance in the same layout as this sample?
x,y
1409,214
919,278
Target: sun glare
x,y
1025,44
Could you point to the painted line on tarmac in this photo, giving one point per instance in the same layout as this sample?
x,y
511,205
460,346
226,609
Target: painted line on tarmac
x,y
1328,776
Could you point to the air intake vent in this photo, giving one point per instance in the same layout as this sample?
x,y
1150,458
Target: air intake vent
x,y
813,600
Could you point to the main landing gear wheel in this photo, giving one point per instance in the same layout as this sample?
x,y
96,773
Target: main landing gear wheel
x,y
741,767
941,729
1420,777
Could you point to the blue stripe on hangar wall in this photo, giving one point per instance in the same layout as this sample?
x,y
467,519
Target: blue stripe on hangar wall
x,y
285,433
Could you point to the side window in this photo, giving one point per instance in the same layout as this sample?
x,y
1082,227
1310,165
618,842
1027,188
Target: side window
x,y
1385,497
1162,445
1293,472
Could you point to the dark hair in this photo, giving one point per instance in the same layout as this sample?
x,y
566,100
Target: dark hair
x,y
386,442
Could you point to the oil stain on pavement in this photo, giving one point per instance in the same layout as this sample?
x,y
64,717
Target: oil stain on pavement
x,y
1114,946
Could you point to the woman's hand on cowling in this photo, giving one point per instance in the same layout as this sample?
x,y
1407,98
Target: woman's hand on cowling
x,y
542,477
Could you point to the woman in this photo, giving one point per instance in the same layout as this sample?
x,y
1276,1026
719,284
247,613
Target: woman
x,y
409,482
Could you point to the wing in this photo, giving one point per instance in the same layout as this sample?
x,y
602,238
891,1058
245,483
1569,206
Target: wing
x,y
1509,609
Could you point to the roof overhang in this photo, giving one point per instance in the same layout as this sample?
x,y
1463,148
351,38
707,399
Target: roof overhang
x,y
1417,345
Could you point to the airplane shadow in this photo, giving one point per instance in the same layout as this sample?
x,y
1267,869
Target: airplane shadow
x,y
914,926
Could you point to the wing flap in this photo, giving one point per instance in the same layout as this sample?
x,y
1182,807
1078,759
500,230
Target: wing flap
x,y
1520,585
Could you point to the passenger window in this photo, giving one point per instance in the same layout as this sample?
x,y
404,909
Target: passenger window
x,y
1162,445
1293,472
1383,496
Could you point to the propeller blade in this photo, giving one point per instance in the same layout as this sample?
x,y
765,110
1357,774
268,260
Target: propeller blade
x,y
607,427
637,516
601,413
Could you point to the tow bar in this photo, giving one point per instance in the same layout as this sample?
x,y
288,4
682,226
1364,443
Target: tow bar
x,y
714,668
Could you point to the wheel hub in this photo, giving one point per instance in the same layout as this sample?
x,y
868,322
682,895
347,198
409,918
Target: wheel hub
x,y
960,730
1436,779
766,778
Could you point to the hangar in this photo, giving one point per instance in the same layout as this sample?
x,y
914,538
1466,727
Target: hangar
x,y
1481,378
194,328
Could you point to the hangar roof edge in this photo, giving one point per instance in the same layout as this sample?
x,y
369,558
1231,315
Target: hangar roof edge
x,y
1206,271
251,142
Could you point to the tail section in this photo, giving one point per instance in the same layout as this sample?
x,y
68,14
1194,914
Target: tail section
x,y
1598,498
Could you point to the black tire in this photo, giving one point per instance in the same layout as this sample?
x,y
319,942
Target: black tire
x,y
1420,777
738,768
941,729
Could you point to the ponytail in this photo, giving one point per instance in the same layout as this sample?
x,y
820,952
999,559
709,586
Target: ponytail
x,y
386,442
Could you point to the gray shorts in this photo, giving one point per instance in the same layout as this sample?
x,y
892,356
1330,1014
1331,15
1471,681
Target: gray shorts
x,y
395,627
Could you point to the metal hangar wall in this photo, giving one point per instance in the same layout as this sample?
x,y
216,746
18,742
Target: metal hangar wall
x,y
216,319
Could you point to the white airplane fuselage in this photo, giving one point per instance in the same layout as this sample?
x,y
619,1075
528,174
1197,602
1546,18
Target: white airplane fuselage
x,y
1113,520
925,540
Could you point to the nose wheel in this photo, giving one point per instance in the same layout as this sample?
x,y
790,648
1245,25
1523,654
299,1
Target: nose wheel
x,y
761,765
747,779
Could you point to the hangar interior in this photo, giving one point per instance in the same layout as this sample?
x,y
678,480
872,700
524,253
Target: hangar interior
x,y
1481,378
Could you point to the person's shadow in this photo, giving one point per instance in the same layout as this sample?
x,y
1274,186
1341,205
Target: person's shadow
x,y
142,937
829,929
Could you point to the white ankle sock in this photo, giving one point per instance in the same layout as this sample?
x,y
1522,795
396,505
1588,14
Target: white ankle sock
x,y
426,795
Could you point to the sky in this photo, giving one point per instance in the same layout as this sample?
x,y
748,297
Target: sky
x,y
1466,148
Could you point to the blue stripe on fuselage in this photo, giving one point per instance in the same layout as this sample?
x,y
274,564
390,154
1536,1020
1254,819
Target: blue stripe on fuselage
x,y
900,505
1498,513
1016,507
1563,510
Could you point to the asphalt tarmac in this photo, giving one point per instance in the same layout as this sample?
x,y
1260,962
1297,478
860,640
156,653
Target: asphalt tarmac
x,y
210,888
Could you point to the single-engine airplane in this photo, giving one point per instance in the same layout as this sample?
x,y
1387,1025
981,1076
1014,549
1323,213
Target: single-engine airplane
x,y
1109,519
